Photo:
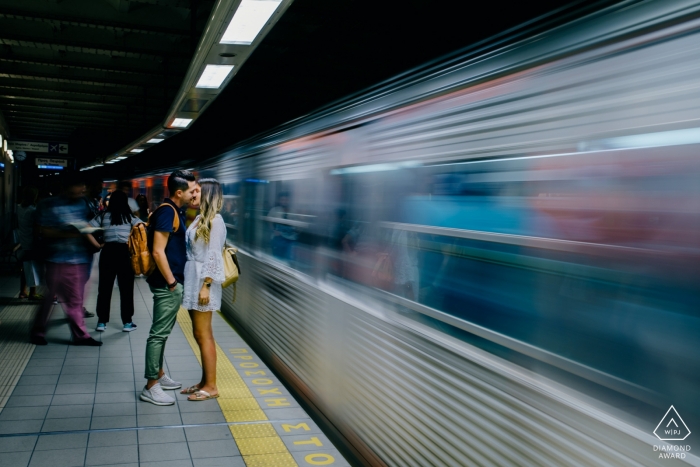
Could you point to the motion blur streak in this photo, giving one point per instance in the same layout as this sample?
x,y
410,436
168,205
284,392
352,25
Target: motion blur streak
x,y
493,263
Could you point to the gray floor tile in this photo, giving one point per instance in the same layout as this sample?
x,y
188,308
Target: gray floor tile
x,y
160,436
159,420
24,413
116,361
121,421
81,361
215,448
66,424
77,379
78,388
113,438
29,401
62,457
111,410
44,363
198,406
34,380
15,459
17,443
20,426
72,399
208,433
163,452
70,411
219,462
79,370
123,386
144,408
194,418
115,377
42,370
105,455
175,463
115,397
34,390
67,441
108,369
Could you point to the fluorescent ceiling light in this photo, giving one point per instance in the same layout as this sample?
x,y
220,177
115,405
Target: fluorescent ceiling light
x,y
136,150
181,122
248,21
155,140
110,162
213,76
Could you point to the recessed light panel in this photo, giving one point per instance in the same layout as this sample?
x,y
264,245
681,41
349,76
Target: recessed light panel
x,y
181,122
248,21
154,140
137,150
213,76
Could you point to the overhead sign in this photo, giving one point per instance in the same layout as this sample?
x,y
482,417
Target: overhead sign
x,y
30,146
54,162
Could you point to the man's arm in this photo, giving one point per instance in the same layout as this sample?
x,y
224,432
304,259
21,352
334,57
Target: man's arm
x,y
160,240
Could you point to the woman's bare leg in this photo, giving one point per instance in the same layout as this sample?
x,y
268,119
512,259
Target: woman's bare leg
x,y
203,334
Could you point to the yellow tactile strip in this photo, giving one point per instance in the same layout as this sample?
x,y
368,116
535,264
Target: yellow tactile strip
x,y
15,350
259,443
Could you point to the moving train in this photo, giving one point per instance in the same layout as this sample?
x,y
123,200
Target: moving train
x,y
494,260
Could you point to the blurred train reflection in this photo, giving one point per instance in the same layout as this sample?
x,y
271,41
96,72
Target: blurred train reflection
x,y
548,214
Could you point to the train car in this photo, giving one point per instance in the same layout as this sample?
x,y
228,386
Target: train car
x,y
494,260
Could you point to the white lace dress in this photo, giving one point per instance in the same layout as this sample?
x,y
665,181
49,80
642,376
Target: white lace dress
x,y
204,260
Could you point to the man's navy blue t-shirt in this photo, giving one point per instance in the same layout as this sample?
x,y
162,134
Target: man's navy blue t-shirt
x,y
175,251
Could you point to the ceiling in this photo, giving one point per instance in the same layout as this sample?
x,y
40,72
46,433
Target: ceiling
x,y
99,74
96,74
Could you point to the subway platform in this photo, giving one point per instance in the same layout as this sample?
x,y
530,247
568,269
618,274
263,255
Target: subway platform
x,y
68,406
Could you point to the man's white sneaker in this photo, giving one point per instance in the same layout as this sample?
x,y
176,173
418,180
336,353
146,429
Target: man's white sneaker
x,y
156,396
169,384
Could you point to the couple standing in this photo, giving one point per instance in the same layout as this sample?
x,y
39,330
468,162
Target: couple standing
x,y
189,272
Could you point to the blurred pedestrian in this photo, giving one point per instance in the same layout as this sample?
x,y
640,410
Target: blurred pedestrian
x,y
204,273
63,223
144,212
26,223
125,187
115,261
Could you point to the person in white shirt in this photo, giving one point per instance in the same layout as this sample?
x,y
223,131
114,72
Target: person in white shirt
x,y
115,261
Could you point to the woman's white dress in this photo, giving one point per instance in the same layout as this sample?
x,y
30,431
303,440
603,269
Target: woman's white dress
x,y
204,260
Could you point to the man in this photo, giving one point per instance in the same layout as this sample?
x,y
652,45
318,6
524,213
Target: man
x,y
133,205
166,282
61,219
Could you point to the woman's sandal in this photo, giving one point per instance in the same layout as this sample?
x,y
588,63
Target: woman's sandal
x,y
190,390
202,396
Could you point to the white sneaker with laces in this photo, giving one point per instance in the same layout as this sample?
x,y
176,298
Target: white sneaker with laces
x,y
156,396
167,383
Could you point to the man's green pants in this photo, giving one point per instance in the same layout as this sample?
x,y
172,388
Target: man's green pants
x,y
165,307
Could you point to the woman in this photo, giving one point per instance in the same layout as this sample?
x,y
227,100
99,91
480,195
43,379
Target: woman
x,y
115,260
26,219
204,273
142,201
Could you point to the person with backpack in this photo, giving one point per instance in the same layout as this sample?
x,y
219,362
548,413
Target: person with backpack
x,y
166,239
26,229
115,261
204,274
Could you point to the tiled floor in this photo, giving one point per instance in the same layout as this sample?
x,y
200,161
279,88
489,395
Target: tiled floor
x,y
77,406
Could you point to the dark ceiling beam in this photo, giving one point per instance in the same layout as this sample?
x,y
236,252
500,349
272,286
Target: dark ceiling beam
x,y
70,21
136,116
13,104
99,101
49,62
73,45
63,116
59,91
81,123
14,72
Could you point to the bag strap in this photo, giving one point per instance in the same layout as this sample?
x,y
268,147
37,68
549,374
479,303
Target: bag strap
x,y
176,219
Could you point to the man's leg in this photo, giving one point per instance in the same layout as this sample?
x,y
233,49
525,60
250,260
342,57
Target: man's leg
x,y
44,313
125,279
71,286
165,307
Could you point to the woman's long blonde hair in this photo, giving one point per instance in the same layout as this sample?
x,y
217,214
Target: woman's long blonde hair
x,y
211,202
